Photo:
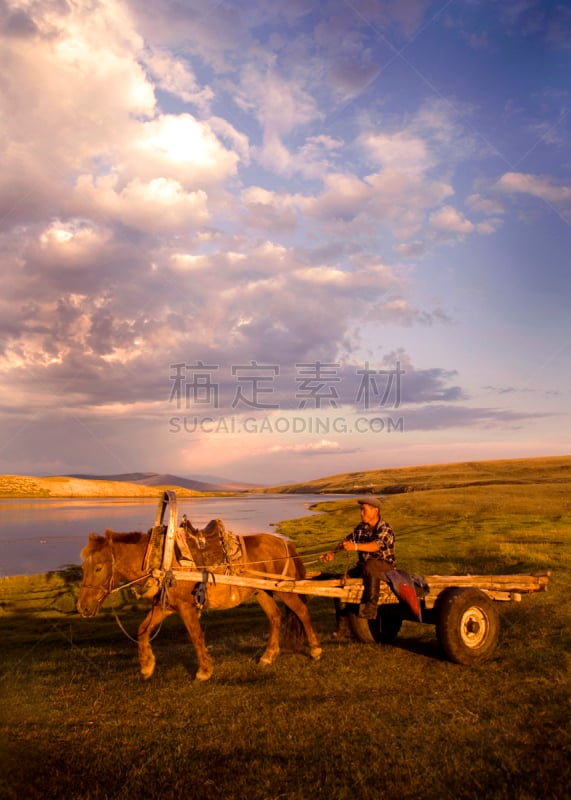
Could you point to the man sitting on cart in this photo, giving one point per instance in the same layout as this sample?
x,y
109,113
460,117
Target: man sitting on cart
x,y
374,541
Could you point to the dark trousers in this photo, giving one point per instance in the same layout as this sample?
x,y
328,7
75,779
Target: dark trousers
x,y
371,568
371,571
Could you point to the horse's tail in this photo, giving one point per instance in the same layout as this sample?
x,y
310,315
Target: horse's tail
x,y
293,637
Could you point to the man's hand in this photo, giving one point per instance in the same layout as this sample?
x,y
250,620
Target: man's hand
x,y
346,544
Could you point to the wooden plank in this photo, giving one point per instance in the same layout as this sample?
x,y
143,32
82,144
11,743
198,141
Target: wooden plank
x,y
514,597
501,583
332,589
503,597
168,553
498,587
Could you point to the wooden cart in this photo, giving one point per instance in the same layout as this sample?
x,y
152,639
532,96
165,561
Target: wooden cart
x,y
463,608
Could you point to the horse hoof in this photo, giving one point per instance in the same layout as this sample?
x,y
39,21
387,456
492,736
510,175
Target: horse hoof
x,y
202,676
265,662
148,670
316,653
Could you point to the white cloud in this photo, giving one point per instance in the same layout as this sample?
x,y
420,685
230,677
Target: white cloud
x,y
485,204
268,211
178,147
400,151
173,75
315,157
541,186
322,446
373,277
158,205
280,106
80,77
489,226
344,197
450,220
69,241
213,32
402,200
238,141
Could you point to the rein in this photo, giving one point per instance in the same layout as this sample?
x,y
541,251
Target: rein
x,y
123,629
130,583
108,589
163,597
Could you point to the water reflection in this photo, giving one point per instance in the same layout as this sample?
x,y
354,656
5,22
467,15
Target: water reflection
x,y
38,535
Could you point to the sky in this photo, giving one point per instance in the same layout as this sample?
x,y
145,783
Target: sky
x,y
279,240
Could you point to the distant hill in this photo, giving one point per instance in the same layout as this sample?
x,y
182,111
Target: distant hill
x,y
532,471
554,469
72,486
202,483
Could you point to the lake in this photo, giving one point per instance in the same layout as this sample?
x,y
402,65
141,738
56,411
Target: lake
x,y
45,535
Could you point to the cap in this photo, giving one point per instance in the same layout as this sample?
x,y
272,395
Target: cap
x,y
370,501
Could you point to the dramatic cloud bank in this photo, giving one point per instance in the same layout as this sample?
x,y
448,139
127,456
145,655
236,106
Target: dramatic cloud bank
x,y
211,211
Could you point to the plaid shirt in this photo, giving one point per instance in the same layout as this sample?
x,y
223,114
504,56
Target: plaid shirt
x,y
383,534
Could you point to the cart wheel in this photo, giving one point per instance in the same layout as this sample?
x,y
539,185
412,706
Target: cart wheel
x,y
467,625
381,630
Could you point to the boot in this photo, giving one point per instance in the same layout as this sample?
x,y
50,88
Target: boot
x,y
342,629
370,600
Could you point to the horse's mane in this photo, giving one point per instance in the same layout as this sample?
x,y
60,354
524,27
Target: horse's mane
x,y
97,543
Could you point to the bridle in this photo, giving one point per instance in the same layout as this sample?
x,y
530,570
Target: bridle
x,y
105,589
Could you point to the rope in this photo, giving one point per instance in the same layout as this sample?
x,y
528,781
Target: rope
x,y
163,599
132,638
130,583
313,561
247,564
126,632
209,574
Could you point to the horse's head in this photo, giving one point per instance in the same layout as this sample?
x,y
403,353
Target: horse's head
x,y
98,565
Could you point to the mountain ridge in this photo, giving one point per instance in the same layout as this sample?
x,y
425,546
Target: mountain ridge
x,y
203,483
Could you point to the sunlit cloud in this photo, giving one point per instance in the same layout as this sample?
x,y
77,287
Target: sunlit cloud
x,y
541,186
322,446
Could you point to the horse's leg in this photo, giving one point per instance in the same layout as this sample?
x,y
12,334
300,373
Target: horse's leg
x,y
299,607
188,612
274,616
146,655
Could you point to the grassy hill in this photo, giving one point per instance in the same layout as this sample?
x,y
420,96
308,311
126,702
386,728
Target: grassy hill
x,y
62,486
522,471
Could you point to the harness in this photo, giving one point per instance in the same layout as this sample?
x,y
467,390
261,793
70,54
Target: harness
x,y
215,549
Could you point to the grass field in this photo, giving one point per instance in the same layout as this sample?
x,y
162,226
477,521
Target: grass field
x,y
367,721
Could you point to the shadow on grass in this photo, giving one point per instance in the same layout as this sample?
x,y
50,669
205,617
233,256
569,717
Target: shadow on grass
x,y
429,649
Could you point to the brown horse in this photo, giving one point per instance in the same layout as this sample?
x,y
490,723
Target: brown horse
x,y
114,558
